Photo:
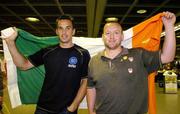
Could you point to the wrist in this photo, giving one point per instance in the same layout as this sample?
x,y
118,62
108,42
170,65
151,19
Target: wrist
x,y
10,42
72,107
169,26
92,112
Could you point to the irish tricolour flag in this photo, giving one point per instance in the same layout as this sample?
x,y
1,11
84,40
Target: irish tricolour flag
x,y
24,86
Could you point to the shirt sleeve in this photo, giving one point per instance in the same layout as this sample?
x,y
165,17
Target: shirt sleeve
x,y
151,60
91,83
86,58
37,58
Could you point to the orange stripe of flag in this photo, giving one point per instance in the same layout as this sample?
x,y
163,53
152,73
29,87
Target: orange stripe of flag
x,y
147,35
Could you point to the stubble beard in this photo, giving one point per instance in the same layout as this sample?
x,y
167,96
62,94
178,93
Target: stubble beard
x,y
112,47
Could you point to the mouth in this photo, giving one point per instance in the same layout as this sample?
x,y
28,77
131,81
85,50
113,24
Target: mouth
x,y
63,36
111,41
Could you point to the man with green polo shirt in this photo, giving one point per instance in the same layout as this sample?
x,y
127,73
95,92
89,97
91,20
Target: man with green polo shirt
x,y
117,77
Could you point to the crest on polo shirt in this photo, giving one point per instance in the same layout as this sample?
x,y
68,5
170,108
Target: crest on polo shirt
x,y
72,62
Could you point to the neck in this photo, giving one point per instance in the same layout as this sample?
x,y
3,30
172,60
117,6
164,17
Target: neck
x,y
66,45
112,53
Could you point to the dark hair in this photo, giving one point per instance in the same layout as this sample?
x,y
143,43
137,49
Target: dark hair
x,y
65,16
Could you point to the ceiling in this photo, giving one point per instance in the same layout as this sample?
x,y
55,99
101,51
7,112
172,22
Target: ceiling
x,y
89,15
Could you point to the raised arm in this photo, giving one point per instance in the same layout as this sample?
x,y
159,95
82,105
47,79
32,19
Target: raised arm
x,y
169,45
18,59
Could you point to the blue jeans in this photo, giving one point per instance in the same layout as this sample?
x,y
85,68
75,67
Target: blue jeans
x,y
65,111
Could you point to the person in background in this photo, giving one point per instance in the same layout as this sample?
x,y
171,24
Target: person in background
x,y
66,68
1,88
119,85
3,81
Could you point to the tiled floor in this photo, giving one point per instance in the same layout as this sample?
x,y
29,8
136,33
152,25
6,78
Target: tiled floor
x,y
167,103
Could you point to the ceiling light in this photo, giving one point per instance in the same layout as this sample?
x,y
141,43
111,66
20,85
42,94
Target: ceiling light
x,y
111,19
79,31
141,11
32,19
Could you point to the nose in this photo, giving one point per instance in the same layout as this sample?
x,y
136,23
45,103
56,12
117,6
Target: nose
x,y
63,31
111,36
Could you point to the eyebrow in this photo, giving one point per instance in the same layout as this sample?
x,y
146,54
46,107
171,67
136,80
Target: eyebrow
x,y
65,26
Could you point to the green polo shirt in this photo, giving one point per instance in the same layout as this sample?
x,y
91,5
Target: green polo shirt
x,y
121,83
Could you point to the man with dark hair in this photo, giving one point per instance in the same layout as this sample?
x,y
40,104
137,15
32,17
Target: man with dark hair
x,y
65,17
119,86
65,64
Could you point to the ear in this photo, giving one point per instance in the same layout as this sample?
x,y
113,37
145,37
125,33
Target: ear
x,y
74,31
122,37
103,37
57,32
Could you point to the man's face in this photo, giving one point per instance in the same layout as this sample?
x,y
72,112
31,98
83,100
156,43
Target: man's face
x,y
112,35
65,30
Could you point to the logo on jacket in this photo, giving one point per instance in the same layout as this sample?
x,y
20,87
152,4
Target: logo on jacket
x,y
72,62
